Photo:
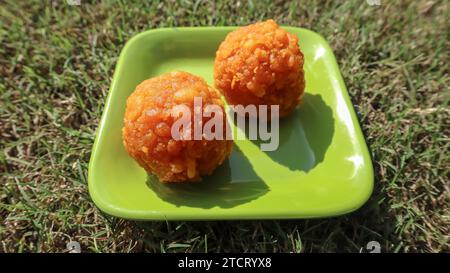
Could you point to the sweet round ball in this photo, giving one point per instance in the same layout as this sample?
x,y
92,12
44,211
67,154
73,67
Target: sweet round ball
x,y
149,117
260,64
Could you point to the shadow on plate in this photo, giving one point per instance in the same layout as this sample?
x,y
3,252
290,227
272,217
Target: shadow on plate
x,y
232,184
303,141
304,136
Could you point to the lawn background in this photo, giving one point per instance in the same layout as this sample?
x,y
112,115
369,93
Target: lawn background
x,y
56,65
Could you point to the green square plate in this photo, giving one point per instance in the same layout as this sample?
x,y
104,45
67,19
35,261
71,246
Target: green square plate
x,y
321,168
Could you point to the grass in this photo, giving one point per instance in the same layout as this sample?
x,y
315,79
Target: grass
x,y
56,64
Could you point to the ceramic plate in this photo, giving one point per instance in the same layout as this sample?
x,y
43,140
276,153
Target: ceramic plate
x,y
321,168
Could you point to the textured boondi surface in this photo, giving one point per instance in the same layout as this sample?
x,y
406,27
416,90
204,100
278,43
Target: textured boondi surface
x,y
148,121
260,64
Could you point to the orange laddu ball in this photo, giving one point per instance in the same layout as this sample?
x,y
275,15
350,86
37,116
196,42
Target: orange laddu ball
x,y
260,64
148,121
